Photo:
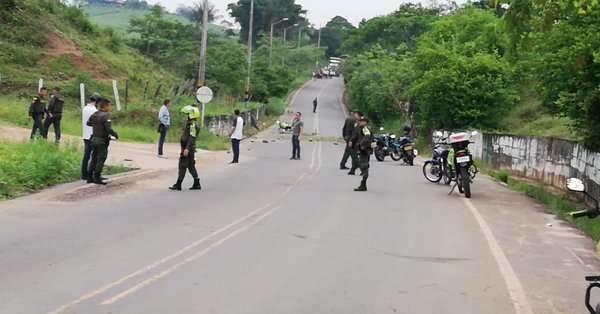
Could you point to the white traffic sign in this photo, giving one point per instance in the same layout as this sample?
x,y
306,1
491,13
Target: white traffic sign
x,y
204,95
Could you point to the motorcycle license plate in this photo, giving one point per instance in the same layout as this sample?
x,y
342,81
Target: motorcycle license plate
x,y
463,159
407,148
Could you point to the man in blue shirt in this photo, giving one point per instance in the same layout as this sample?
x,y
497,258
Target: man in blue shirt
x,y
164,118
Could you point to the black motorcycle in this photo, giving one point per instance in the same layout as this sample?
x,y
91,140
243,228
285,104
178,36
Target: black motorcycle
x,y
382,146
437,167
402,149
577,185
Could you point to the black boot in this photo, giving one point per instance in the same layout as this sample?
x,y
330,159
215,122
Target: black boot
x,y
98,180
196,185
176,186
362,187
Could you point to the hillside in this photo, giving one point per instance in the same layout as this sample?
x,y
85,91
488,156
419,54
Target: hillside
x,y
118,17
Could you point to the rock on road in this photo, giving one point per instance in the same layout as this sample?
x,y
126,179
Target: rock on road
x,y
272,235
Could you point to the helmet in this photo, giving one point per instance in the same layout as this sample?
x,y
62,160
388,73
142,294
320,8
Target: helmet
x,y
95,97
191,111
407,128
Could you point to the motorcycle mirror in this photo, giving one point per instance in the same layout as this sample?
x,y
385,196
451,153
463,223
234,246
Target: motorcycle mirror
x,y
381,129
575,185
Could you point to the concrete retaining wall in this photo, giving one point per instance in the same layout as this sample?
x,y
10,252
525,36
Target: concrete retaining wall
x,y
548,160
221,125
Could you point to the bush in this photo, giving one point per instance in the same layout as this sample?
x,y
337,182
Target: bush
x,y
26,167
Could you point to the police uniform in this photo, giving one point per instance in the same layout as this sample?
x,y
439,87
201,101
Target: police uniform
x,y
37,109
347,132
365,139
55,107
353,151
188,141
101,132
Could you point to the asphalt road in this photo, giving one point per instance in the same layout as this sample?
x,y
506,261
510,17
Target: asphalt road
x,y
271,235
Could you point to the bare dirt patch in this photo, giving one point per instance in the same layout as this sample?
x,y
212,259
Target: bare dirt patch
x,y
58,46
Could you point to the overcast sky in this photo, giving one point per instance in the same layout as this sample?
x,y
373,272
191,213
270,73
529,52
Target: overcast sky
x,y
319,11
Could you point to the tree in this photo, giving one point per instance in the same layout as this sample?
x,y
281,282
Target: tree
x,y
401,27
266,12
195,12
567,70
332,35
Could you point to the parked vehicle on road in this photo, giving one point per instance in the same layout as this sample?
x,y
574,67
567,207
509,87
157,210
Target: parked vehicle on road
x,y
576,185
460,162
284,127
437,168
403,149
382,146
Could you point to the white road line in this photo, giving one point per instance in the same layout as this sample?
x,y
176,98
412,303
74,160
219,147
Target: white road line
x,y
513,284
188,260
313,157
156,264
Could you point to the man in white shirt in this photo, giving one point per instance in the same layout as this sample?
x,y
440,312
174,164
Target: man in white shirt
x,y
164,118
86,113
236,134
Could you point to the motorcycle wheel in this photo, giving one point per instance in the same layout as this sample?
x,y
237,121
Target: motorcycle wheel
x,y
466,181
396,155
410,160
379,154
432,172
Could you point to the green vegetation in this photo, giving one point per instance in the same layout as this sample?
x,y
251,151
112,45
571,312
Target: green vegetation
x,y
118,17
28,167
531,69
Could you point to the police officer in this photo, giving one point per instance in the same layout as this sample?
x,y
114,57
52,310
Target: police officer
x,y
54,114
37,109
349,125
101,133
365,139
187,161
353,143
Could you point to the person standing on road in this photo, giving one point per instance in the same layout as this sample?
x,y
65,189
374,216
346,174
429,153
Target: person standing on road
x,y
297,130
37,109
315,103
353,143
365,139
54,114
236,134
187,158
86,113
164,119
349,125
101,133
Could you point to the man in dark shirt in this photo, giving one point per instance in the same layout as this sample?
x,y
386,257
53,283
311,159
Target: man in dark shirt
x,y
101,134
315,103
54,114
349,126
363,145
187,158
37,109
352,143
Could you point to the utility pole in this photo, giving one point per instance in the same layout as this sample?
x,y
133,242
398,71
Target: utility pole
x,y
271,40
318,47
299,36
250,31
285,42
202,68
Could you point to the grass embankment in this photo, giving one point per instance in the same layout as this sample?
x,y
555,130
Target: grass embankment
x,y
559,204
30,166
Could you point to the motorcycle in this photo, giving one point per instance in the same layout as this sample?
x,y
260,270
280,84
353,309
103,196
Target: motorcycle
x,y
284,127
460,162
437,168
382,146
576,185
402,149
